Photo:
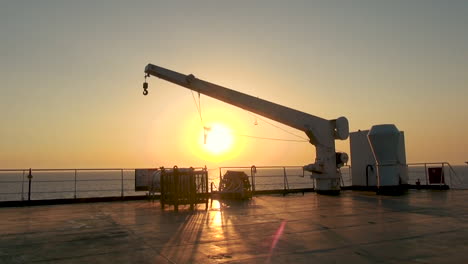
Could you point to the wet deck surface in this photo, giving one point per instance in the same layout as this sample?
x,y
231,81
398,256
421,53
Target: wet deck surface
x,y
355,227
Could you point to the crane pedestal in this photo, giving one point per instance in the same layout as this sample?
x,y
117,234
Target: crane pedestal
x,y
330,186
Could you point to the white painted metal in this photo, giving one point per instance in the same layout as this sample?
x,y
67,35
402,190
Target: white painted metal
x,y
361,157
387,146
321,132
147,180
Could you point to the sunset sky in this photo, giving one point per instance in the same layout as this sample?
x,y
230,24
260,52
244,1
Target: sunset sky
x,y
71,75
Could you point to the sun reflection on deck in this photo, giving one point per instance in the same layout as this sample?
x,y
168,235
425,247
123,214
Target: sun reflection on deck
x,y
216,220
209,232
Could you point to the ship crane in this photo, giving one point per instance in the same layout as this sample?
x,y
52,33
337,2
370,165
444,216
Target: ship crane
x,y
321,132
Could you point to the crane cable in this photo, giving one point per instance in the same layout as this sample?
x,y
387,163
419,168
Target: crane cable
x,y
198,106
268,138
205,129
271,124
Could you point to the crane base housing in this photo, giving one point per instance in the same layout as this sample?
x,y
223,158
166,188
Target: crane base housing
x,y
327,186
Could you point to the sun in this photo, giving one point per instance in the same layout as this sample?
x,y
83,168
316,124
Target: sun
x,y
217,139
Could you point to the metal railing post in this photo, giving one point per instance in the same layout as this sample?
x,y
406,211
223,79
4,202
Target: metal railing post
x,y
22,188
450,174
442,176
341,177
29,188
253,171
285,181
313,182
75,185
425,172
350,175
219,178
122,183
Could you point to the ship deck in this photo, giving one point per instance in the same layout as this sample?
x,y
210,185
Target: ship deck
x,y
422,226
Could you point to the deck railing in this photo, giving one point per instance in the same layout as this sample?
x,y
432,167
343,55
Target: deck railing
x,y
418,172
265,178
44,184
40,184
270,178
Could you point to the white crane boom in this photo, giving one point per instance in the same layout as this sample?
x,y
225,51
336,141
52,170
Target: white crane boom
x,y
321,132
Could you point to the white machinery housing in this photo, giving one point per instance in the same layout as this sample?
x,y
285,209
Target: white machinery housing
x,y
378,157
363,164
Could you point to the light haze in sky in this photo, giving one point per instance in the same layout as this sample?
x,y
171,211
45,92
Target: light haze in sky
x,y
71,75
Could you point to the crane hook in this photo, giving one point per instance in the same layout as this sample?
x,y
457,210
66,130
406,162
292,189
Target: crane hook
x,y
145,86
